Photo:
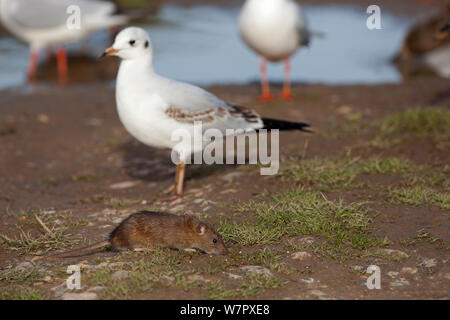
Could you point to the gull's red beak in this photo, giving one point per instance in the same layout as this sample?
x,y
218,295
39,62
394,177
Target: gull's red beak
x,y
109,52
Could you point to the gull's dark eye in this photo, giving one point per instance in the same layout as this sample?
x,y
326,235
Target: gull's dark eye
x,y
132,42
146,44
214,240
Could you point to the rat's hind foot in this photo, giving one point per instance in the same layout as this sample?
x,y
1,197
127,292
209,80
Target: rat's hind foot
x,y
146,250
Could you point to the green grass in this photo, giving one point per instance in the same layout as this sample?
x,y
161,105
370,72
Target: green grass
x,y
150,272
384,255
147,271
133,4
252,284
216,291
21,277
422,236
117,203
298,212
114,203
249,286
21,294
419,196
323,174
50,236
421,123
341,173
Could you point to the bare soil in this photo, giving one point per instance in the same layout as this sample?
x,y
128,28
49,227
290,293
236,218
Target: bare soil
x,y
63,151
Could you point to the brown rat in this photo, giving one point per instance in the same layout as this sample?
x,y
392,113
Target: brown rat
x,y
147,229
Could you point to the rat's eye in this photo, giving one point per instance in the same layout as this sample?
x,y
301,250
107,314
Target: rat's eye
x,y
132,42
214,240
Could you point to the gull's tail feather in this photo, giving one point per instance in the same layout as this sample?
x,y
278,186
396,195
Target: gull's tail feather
x,y
285,125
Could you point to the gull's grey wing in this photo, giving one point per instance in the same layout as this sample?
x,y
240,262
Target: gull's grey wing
x,y
187,104
37,14
216,116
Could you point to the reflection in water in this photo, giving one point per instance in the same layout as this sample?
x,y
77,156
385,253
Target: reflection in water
x,y
202,45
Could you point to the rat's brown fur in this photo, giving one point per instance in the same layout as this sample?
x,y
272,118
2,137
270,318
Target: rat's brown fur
x,y
147,230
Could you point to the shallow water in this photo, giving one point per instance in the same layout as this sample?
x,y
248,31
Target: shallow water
x,y
202,45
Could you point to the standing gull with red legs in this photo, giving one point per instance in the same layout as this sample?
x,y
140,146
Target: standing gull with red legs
x,y
274,29
44,24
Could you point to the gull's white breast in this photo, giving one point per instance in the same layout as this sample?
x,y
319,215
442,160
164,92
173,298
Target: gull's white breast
x,y
271,27
141,108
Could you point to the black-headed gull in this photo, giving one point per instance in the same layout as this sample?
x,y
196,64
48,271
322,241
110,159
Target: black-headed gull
x,y
44,24
152,107
275,29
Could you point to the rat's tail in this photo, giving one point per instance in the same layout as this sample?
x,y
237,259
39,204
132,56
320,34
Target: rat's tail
x,y
79,252
285,125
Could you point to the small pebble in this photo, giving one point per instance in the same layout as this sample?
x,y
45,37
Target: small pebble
x,y
301,255
257,270
123,185
121,274
80,296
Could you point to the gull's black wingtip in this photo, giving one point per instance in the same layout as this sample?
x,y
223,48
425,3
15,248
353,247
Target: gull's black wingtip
x,y
286,125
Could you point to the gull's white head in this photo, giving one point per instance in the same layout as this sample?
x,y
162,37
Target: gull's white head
x,y
131,43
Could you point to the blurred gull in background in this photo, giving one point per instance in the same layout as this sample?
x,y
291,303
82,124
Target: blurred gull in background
x,y
43,24
275,29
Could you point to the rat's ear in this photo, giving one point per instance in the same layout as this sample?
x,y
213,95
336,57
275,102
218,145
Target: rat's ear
x,y
201,229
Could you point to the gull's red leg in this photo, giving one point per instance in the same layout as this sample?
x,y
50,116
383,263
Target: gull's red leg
x,y
265,86
180,182
32,67
287,93
62,66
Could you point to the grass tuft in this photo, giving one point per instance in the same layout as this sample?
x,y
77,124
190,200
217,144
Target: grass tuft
x,y
419,196
52,235
298,212
21,294
342,173
422,123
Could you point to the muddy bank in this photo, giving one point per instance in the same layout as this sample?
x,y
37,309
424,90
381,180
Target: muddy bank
x,y
66,157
